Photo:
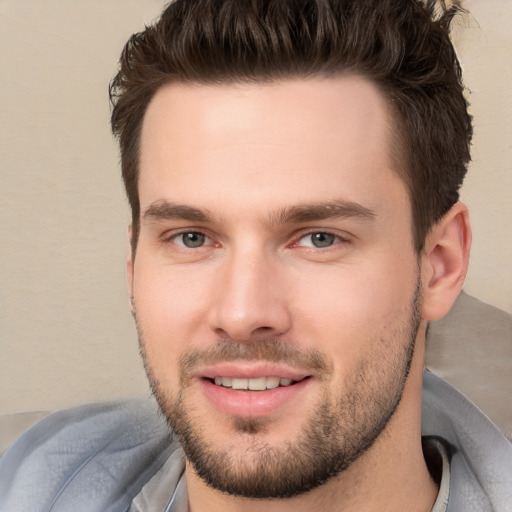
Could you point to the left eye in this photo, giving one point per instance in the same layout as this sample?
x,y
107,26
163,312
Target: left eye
x,y
319,240
191,240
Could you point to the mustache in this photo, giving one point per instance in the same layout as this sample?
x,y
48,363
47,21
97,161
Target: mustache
x,y
267,349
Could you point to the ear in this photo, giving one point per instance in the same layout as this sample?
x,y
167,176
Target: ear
x,y
445,262
130,265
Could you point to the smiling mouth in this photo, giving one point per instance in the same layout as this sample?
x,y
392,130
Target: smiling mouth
x,y
256,384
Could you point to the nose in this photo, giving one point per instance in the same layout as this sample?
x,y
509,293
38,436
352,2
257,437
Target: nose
x,y
250,300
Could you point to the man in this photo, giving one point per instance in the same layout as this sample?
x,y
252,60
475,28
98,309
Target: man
x,y
293,169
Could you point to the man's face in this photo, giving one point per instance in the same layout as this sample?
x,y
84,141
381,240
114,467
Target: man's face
x,y
275,283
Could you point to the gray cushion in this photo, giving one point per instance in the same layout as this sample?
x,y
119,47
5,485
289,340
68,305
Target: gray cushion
x,y
13,425
471,348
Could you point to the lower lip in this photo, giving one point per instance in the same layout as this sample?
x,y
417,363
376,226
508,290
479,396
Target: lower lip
x,y
250,404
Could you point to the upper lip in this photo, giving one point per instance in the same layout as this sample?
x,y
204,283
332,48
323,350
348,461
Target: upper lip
x,y
251,370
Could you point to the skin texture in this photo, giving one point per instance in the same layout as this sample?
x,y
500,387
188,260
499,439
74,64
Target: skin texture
x,y
276,240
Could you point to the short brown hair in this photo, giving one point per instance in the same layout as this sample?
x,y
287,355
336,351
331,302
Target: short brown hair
x,y
402,46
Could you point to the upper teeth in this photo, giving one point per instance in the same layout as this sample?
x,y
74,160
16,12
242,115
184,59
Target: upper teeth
x,y
259,384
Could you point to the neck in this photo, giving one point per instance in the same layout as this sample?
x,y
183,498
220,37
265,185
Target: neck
x,y
391,476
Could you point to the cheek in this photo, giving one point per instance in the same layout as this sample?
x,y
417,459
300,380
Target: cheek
x,y
168,298
347,313
168,310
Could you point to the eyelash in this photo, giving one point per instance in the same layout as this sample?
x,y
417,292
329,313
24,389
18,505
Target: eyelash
x,y
172,237
337,239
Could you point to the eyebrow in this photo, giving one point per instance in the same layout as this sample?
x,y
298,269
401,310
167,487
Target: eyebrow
x,y
310,212
165,210
322,211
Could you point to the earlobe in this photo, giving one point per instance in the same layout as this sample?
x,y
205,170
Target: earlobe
x,y
445,261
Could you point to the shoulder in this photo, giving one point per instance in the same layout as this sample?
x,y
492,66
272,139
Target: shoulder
x,y
92,457
480,454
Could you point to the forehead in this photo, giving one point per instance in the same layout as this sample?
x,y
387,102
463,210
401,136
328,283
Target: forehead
x,y
277,143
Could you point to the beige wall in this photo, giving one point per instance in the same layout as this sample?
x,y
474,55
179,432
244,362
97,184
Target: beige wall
x,y
66,335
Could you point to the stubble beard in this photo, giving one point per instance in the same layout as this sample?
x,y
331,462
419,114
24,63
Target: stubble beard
x,y
337,432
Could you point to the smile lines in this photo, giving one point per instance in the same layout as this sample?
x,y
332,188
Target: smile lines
x,y
258,384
